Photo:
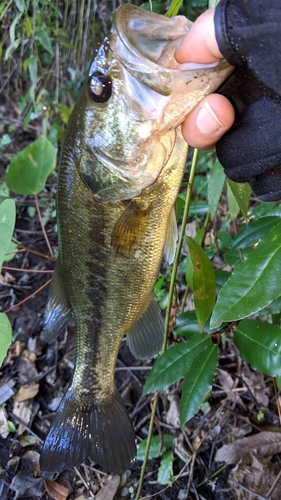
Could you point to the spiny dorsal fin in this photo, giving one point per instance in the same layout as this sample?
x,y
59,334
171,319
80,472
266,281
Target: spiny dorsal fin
x,y
145,339
171,238
58,312
129,228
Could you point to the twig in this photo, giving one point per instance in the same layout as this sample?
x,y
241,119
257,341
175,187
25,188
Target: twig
x,y
35,252
260,497
27,298
18,269
271,489
42,226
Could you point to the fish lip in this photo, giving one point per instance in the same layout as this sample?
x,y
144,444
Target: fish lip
x,y
144,42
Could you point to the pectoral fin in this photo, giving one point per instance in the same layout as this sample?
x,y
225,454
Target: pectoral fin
x,y
129,229
171,238
58,312
145,339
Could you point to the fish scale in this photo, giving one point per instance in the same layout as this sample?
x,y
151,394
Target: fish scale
x,y
120,171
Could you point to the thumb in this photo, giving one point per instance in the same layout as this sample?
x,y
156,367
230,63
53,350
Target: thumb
x,y
208,121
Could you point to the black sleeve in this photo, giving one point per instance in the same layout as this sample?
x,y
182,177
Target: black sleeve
x,y
248,33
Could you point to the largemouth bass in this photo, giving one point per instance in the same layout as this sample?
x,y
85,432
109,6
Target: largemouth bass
x,y
120,171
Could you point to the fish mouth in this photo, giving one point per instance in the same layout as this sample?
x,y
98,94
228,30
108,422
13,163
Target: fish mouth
x,y
145,43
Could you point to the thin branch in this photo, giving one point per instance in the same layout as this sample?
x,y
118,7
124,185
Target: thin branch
x,y
42,226
29,297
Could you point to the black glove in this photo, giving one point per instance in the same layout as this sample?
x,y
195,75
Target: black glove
x,y
248,35
251,150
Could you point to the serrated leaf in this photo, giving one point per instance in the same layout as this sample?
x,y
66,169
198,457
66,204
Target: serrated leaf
x,y
253,231
198,381
254,283
30,168
5,336
165,472
259,345
7,224
241,193
233,206
157,446
204,283
174,363
215,187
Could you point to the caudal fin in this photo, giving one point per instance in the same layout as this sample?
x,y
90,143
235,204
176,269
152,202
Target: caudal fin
x,y
102,432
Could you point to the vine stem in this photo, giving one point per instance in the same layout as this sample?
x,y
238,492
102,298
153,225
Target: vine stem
x,y
169,307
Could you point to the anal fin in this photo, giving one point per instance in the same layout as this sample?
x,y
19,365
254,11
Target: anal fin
x,y
171,238
145,338
57,312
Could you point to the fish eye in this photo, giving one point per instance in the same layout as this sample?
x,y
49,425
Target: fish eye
x,y
99,87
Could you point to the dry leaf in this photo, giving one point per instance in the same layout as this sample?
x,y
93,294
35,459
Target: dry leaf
x,y
23,412
6,391
109,489
172,416
4,430
26,393
27,486
33,457
56,490
256,475
256,382
262,444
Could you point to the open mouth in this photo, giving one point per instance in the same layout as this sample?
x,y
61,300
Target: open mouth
x,y
145,43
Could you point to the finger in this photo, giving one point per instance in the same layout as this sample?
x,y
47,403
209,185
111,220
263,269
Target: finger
x,y
200,45
206,123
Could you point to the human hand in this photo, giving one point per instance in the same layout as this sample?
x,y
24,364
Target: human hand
x,y
214,115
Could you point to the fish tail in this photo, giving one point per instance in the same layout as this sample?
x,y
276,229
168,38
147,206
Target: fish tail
x,y
102,432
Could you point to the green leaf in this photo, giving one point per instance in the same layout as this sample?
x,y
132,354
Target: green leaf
x,y
278,382
253,231
44,40
174,8
198,381
259,345
165,472
241,193
7,225
33,69
215,186
204,282
174,363
30,168
5,336
157,446
20,5
233,206
254,283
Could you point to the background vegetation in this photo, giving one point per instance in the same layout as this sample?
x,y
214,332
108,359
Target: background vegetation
x,y
225,283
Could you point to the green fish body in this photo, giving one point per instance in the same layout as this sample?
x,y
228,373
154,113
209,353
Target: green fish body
x,y
120,172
